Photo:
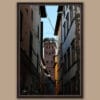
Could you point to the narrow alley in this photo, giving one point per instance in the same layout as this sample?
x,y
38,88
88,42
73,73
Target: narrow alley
x,y
49,49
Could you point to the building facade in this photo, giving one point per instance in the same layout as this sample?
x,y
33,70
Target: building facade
x,y
56,75
69,17
49,54
30,30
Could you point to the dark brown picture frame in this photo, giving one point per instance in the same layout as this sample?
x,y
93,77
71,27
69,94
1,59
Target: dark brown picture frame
x,y
19,52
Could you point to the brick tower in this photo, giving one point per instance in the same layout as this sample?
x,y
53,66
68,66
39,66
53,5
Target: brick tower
x,y
49,54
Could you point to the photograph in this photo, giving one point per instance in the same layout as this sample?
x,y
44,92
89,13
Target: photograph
x,y
50,50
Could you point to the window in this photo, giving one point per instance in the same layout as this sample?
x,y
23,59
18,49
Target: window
x,y
77,87
71,12
52,62
73,85
67,20
32,15
38,31
37,62
21,23
68,52
46,46
49,53
49,71
73,50
26,10
64,11
65,62
46,52
31,41
64,29
41,38
47,62
41,27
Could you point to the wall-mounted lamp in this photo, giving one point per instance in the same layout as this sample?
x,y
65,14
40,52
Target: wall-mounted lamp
x,y
60,12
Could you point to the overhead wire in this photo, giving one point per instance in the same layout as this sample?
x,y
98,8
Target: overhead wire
x,y
50,22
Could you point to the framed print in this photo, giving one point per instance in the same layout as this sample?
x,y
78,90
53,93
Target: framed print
x,y
50,50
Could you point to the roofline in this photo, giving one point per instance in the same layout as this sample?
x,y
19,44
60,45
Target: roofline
x,y
43,11
60,8
57,24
